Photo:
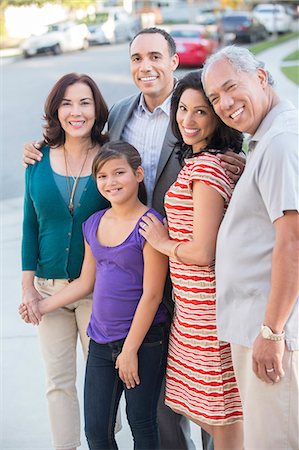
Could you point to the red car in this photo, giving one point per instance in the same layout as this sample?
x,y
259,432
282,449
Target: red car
x,y
194,44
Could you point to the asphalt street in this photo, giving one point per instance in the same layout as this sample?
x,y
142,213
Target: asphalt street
x,y
24,421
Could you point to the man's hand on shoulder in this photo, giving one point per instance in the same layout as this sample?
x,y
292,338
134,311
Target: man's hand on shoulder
x,y
31,153
233,164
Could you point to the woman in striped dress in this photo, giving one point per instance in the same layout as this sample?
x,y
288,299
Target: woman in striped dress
x,y
200,381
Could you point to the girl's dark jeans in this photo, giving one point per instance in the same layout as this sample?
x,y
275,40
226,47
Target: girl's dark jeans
x,y
103,389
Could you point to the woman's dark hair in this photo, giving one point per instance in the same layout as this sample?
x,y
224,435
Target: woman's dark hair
x,y
224,138
54,134
120,149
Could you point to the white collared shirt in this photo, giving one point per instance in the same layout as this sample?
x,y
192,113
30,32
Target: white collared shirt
x,y
146,131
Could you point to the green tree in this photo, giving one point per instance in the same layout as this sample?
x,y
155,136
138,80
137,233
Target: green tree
x,y
73,4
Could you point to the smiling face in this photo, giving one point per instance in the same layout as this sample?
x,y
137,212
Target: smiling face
x,y
76,112
196,119
117,181
152,67
240,99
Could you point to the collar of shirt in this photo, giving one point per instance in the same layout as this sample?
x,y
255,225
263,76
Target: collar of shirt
x,y
281,106
164,107
251,145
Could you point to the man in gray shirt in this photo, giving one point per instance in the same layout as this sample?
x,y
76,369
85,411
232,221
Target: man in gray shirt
x,y
257,249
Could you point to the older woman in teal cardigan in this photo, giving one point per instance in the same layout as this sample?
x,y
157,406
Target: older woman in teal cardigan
x,y
60,194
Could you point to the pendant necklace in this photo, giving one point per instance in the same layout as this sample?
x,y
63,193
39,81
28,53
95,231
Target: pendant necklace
x,y
76,181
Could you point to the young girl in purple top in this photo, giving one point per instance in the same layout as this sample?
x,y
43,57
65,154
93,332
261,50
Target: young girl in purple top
x,y
128,345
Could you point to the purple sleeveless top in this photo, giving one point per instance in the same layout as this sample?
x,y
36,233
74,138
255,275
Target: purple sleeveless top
x,y
119,283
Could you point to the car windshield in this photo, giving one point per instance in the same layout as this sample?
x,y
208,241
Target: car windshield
x,y
102,17
53,28
206,19
185,34
235,19
268,10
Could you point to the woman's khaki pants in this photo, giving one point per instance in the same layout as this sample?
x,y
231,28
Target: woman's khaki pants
x,y
58,332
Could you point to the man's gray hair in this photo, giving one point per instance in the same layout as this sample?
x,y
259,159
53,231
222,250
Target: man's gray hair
x,y
240,58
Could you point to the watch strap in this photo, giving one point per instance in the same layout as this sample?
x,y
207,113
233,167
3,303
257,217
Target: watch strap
x,y
267,333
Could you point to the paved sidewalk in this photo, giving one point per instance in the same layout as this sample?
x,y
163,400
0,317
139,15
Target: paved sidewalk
x,y
273,62
9,55
24,421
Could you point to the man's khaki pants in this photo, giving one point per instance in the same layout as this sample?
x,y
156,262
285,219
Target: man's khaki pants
x,y
271,419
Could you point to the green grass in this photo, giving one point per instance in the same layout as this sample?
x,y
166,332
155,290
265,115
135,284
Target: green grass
x,y
292,56
292,73
261,46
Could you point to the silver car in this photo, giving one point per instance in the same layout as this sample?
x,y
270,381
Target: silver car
x,y
274,17
58,38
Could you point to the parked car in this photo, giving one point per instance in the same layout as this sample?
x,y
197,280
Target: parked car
x,y
194,44
113,25
293,11
175,14
211,21
58,38
274,16
242,26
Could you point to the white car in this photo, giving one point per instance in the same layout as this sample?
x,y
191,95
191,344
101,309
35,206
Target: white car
x,y
113,25
58,38
274,17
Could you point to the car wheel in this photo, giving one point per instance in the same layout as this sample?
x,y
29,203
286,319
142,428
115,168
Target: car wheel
x,y
265,36
85,44
253,38
57,49
25,54
113,39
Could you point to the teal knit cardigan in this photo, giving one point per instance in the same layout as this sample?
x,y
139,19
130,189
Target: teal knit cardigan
x,y
53,243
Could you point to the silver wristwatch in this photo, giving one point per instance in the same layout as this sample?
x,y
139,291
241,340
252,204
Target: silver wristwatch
x,y
267,333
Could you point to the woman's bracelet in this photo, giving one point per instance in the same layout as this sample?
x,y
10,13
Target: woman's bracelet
x,y
175,252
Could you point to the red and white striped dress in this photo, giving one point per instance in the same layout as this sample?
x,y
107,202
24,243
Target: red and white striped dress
x,y
200,380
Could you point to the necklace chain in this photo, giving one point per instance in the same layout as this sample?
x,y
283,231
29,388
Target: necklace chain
x,y
75,178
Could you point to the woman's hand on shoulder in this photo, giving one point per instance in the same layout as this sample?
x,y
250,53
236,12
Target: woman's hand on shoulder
x,y
233,164
127,365
155,233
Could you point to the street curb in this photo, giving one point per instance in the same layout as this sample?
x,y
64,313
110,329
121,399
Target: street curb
x,y
9,55
10,52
